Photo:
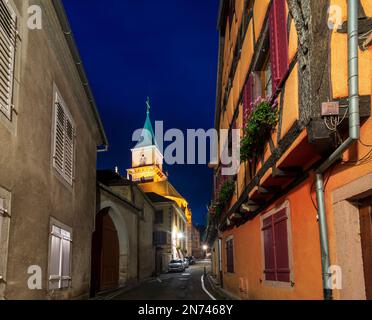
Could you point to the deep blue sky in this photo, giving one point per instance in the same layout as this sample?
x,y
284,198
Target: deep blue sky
x,y
165,49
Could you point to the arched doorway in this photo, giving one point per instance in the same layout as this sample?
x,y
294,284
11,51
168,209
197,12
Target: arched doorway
x,y
109,254
105,253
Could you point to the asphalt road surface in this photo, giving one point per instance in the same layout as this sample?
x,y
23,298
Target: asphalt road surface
x,y
172,286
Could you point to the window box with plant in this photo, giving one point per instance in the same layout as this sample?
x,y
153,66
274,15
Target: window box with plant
x,y
258,129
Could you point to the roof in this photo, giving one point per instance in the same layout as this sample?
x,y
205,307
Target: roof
x,y
156,198
111,178
147,133
66,29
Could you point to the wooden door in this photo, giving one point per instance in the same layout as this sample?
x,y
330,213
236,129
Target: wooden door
x,y
366,240
109,254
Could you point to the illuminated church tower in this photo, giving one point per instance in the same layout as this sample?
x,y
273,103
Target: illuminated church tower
x,y
147,171
147,160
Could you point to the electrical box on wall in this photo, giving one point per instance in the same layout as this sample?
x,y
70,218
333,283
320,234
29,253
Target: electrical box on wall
x,y
330,109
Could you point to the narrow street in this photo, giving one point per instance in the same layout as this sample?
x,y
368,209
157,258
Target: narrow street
x,y
172,286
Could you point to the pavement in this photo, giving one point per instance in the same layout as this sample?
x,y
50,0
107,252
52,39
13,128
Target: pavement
x,y
186,285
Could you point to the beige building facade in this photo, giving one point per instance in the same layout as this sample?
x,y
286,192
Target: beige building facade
x,y
49,133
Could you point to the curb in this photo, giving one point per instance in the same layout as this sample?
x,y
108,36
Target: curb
x,y
216,287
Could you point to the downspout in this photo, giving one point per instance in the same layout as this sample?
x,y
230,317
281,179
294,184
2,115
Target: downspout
x,y
354,135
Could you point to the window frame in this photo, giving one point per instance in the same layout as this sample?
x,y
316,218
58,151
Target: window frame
x,y
63,227
271,283
58,99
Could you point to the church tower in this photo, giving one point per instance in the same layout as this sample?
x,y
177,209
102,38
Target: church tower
x,y
147,160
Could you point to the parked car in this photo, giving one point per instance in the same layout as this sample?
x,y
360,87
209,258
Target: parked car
x,y
186,262
191,260
176,265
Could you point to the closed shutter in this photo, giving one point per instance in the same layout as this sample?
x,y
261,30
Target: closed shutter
x,y
230,256
278,42
247,100
59,260
281,246
7,55
65,263
63,158
54,259
269,249
2,211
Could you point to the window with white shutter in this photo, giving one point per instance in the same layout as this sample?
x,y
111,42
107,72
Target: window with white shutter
x,y
8,25
60,258
64,132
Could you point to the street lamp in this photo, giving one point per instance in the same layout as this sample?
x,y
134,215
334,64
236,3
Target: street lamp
x,y
205,247
180,235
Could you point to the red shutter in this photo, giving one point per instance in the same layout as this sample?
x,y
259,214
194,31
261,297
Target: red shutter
x,y
281,246
278,42
269,248
247,100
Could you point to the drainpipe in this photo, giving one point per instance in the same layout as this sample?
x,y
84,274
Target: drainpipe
x,y
354,134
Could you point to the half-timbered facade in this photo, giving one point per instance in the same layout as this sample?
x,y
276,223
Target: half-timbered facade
x,y
273,240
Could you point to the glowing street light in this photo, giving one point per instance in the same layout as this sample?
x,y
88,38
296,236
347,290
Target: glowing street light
x,y
180,235
205,247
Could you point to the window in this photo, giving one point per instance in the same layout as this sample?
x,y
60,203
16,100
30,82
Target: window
x,y
64,131
278,42
159,216
60,257
275,242
8,25
160,238
266,80
230,255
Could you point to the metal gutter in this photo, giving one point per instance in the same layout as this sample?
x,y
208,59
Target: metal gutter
x,y
66,28
354,135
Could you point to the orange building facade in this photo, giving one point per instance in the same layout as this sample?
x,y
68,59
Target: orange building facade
x,y
271,241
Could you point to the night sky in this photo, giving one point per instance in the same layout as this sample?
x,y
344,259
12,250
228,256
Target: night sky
x,y
165,49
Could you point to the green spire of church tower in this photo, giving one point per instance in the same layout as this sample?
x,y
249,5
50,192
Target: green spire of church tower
x,y
147,134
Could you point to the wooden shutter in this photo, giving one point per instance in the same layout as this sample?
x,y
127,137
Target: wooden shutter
x,y
281,246
247,100
69,150
269,249
59,138
278,42
230,255
65,263
63,158
2,211
55,259
7,55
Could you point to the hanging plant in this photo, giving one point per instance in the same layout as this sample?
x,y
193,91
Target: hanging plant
x,y
263,120
217,206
